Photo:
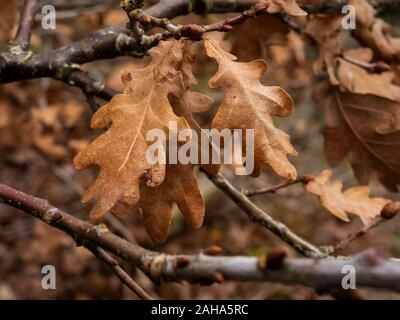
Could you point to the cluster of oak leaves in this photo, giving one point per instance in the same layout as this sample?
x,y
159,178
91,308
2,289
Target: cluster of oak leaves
x,y
362,125
126,178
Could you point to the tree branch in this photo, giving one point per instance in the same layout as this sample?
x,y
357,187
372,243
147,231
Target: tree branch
x,y
320,274
353,237
106,43
372,269
389,211
192,31
304,179
374,67
121,274
262,218
23,37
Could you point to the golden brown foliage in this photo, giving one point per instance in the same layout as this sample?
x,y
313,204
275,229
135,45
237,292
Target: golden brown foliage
x,y
248,104
354,200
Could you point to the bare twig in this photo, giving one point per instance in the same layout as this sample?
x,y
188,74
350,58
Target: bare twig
x,y
23,37
227,24
261,217
273,189
353,237
88,85
113,222
389,211
101,254
304,179
91,101
194,31
374,67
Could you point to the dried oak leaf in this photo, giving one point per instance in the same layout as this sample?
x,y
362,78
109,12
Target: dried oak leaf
x,y
121,151
252,39
289,7
250,105
186,102
366,129
355,79
363,121
181,187
354,200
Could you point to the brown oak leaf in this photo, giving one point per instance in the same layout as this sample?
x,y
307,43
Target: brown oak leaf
x,y
181,187
355,79
248,104
121,151
187,102
365,129
363,121
354,200
252,39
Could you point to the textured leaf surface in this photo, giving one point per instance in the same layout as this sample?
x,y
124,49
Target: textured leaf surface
x,y
366,130
181,187
353,200
248,104
121,151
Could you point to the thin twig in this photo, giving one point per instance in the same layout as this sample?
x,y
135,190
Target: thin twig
x,y
91,101
194,31
273,189
388,212
260,217
353,237
23,36
87,84
101,254
113,222
373,67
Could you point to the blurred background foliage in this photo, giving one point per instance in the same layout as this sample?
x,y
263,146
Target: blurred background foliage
x,y
43,124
